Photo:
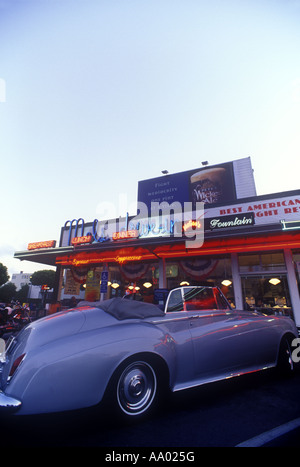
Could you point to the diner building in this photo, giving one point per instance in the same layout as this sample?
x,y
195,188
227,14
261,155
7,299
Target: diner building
x,y
205,226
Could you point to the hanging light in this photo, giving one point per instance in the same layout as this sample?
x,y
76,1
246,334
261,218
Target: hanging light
x,y
226,282
274,281
115,285
147,285
184,283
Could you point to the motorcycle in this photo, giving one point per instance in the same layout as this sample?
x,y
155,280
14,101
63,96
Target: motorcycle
x,y
13,320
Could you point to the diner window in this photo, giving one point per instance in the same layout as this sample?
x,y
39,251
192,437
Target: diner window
x,y
201,270
296,259
271,261
135,278
264,283
267,293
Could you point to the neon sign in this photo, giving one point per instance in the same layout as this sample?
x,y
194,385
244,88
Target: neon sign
x,y
124,259
81,240
191,224
125,234
39,245
105,231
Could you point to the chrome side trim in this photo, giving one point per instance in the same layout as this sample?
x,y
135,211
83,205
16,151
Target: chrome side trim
x,y
222,377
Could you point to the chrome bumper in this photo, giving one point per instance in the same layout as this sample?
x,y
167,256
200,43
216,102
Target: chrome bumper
x,y
8,403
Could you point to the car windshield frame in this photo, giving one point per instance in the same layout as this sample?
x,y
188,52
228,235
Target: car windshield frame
x,y
196,298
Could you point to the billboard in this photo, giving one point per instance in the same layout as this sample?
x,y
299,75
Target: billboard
x,y
209,185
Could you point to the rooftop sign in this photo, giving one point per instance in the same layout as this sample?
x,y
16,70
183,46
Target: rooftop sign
x,y
40,245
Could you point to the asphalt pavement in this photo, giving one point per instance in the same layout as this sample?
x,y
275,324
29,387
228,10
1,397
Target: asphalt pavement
x,y
225,414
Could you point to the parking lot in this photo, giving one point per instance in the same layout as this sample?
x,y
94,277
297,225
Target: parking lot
x,y
223,414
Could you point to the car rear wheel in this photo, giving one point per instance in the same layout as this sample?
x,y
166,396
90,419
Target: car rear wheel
x,y
136,389
285,364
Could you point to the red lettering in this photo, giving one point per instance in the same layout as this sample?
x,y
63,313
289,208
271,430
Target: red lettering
x,y
81,240
38,245
271,212
125,234
291,210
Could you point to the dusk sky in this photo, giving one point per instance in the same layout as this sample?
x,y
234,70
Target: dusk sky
x,y
96,95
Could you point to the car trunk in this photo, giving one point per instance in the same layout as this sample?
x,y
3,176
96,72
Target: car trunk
x,y
37,334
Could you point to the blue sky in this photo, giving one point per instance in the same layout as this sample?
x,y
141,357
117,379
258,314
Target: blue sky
x,y
96,95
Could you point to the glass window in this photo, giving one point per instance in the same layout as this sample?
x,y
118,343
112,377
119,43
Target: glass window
x,y
249,263
175,301
199,299
271,261
134,277
221,302
201,270
267,294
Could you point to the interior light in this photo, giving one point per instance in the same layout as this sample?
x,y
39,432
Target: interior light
x,y
184,283
274,281
137,288
147,285
226,282
115,285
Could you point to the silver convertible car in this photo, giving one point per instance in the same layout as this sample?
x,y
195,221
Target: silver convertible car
x,y
127,353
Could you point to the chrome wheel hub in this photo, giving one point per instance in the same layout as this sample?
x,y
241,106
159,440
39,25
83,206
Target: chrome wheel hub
x,y
136,388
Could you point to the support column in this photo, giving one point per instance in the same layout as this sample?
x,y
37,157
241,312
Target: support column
x,y
293,285
55,302
237,283
58,283
162,273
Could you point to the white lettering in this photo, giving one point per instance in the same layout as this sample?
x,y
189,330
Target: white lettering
x,y
236,222
2,351
2,90
172,456
296,352
116,457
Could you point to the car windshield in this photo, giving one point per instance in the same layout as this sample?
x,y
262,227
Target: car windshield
x,y
196,298
175,302
199,299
